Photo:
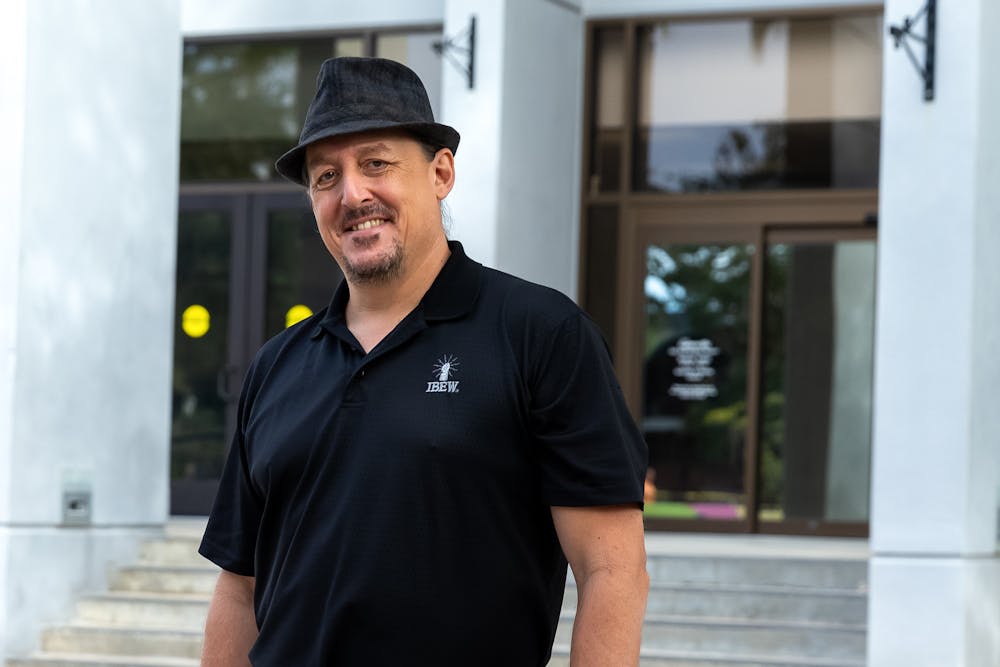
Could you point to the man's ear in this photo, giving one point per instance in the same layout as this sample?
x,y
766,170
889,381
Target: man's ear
x,y
444,172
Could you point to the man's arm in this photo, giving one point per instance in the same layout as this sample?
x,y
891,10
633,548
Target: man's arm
x,y
606,548
231,628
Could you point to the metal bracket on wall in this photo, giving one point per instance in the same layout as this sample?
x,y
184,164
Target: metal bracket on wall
x,y
902,34
465,45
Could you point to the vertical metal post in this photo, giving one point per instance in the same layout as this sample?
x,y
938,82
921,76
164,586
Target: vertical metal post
x,y
472,52
929,53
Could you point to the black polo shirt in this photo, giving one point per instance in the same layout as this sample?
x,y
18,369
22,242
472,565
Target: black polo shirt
x,y
394,506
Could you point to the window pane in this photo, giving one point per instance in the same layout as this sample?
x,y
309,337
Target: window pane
x,y
817,394
242,105
749,104
198,434
349,47
609,110
301,274
694,378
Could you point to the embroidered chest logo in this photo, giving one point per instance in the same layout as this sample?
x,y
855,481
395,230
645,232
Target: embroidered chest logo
x,y
444,370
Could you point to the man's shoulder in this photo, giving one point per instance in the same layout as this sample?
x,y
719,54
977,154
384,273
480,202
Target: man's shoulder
x,y
290,340
521,298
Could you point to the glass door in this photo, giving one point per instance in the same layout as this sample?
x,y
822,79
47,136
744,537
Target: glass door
x,y
694,339
748,363
207,345
816,385
248,266
298,273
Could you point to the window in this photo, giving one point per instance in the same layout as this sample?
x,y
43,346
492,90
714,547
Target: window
x,y
729,257
242,103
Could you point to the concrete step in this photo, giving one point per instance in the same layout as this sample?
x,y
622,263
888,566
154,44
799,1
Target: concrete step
x,y
191,528
752,602
90,660
654,658
740,637
848,575
172,551
144,610
166,579
123,641
755,606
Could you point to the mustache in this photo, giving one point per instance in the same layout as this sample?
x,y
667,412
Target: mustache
x,y
375,210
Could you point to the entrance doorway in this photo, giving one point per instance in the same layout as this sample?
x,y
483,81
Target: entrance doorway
x,y
729,199
745,348
249,264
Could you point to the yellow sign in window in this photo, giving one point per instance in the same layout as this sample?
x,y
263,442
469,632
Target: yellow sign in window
x,y
195,321
296,314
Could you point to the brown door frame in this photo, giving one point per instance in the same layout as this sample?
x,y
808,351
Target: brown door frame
x,y
756,218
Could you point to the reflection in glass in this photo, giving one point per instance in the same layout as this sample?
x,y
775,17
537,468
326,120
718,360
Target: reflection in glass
x,y
817,381
353,47
198,431
242,103
300,271
761,103
694,384
609,110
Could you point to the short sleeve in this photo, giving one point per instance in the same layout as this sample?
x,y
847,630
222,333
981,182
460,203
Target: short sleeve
x,y
591,451
231,534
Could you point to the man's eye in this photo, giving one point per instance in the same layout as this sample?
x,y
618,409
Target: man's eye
x,y
377,164
326,177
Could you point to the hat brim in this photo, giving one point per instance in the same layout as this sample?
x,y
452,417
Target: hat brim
x,y
290,165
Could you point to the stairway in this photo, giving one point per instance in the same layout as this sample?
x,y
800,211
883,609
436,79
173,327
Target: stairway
x,y
715,601
748,601
153,615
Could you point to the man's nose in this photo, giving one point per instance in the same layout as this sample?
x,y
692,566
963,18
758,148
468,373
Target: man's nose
x,y
354,190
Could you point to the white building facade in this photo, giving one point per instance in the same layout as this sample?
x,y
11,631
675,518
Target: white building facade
x,y
790,252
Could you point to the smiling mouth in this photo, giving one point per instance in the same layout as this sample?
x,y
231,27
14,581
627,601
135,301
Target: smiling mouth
x,y
368,224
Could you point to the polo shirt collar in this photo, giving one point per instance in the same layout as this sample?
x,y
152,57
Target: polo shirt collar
x,y
452,294
456,288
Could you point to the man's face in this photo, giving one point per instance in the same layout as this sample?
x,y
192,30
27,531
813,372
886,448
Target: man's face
x,y
376,198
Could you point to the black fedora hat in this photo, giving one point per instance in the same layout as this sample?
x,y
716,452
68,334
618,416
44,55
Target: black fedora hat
x,y
362,94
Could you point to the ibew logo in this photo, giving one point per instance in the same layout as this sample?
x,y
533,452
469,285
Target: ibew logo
x,y
444,368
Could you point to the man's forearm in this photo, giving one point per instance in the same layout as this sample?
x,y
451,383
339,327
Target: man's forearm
x,y
231,628
609,612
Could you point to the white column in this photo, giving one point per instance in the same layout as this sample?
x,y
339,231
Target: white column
x,y
516,201
935,571
89,120
475,113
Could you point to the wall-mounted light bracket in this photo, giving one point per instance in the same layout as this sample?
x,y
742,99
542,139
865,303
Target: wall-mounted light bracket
x,y
461,46
903,34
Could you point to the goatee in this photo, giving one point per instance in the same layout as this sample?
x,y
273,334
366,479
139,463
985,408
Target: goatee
x,y
381,270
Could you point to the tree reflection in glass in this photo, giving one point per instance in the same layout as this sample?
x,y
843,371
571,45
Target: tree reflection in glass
x,y
694,377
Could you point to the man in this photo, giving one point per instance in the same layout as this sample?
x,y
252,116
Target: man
x,y
412,463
